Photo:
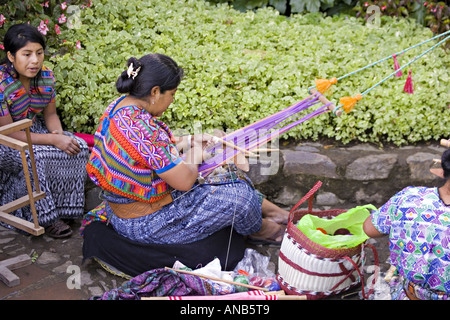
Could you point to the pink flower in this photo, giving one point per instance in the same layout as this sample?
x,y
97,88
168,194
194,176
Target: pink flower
x,y
78,46
43,28
64,5
366,4
62,18
57,30
2,20
2,47
45,4
383,8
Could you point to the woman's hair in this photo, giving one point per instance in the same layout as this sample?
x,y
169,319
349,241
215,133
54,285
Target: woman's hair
x,y
17,37
445,162
147,72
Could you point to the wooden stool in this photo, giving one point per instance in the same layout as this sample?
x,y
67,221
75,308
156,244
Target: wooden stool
x,y
32,228
6,267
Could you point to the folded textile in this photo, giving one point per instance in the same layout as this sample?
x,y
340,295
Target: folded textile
x,y
158,283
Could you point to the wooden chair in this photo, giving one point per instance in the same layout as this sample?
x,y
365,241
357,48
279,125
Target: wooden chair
x,y
31,227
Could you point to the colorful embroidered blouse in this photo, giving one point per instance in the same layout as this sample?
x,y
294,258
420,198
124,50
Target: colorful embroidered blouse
x,y
418,224
19,103
131,148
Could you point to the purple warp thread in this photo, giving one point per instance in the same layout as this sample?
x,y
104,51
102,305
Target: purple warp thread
x,y
261,132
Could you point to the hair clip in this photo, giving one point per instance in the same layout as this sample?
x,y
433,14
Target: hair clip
x,y
131,72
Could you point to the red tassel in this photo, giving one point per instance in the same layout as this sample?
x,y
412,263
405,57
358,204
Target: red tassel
x,y
397,66
409,84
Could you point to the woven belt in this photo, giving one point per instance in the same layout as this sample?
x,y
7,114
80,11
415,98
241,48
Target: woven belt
x,y
410,292
138,208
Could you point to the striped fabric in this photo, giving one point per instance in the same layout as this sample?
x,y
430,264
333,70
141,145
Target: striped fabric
x,y
61,176
131,148
14,99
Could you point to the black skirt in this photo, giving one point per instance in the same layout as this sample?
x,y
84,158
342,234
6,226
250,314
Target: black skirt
x,y
131,258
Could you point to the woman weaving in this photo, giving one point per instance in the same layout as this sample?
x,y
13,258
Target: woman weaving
x,y
149,189
27,90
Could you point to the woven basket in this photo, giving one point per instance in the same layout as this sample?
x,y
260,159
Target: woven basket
x,y
308,268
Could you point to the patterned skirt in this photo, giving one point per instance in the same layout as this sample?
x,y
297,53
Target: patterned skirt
x,y
399,287
225,199
61,177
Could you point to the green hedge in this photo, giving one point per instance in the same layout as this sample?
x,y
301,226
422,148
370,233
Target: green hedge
x,y
241,67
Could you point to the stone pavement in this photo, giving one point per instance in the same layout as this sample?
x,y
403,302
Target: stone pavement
x,y
48,277
57,272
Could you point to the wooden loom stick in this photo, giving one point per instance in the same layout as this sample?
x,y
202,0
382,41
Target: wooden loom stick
x,y
325,102
219,279
279,294
445,143
232,145
265,150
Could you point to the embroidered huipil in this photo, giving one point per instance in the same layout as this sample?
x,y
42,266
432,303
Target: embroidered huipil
x,y
131,148
19,103
418,224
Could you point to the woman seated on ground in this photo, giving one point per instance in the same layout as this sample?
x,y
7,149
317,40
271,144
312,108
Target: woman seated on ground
x,y
149,190
417,220
27,90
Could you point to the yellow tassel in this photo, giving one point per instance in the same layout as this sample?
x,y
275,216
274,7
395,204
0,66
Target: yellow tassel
x,y
349,102
323,85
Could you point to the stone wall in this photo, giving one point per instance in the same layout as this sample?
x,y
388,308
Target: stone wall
x,y
351,175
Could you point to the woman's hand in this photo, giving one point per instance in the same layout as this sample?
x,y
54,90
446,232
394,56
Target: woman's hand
x,y
202,140
65,143
197,154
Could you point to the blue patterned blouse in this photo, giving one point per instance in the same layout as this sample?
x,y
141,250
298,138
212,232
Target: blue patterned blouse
x,y
418,224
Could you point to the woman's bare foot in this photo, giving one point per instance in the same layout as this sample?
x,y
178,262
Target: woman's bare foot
x,y
273,212
271,233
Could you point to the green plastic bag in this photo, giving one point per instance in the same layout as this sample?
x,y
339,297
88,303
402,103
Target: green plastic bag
x,y
352,220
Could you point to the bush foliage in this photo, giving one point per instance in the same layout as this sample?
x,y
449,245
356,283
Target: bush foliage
x,y
433,14
51,17
241,67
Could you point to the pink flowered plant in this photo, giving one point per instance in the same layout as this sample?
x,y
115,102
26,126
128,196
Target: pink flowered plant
x,y
62,18
2,20
52,27
43,27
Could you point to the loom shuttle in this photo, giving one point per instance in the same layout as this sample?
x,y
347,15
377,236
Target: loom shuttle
x,y
445,142
326,102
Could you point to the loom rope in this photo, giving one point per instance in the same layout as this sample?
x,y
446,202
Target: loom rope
x,y
388,57
278,120
324,84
